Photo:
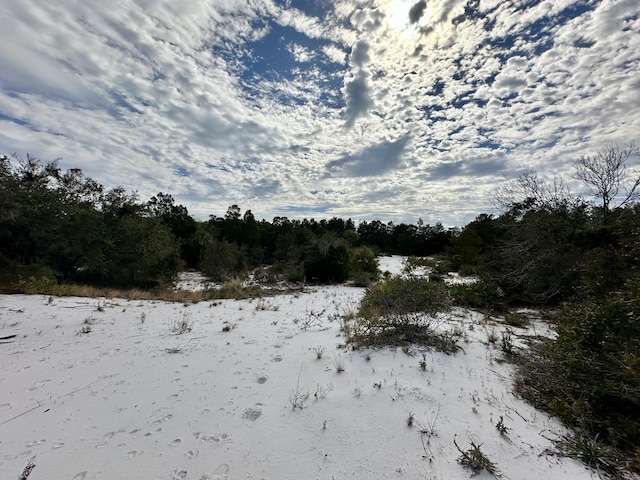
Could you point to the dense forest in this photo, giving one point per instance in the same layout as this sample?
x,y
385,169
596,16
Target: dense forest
x,y
65,226
546,248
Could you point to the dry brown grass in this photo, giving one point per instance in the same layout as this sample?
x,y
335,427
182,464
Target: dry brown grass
x,y
233,289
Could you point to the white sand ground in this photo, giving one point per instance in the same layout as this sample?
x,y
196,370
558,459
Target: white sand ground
x,y
115,403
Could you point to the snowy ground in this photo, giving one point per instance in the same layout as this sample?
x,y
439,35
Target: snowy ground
x,y
132,399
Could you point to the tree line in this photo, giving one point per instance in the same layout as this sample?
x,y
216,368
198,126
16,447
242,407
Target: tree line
x,y
65,225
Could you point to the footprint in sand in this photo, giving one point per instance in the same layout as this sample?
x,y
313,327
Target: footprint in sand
x,y
34,443
221,473
38,385
192,454
134,453
262,380
277,358
80,476
163,419
57,445
252,413
176,442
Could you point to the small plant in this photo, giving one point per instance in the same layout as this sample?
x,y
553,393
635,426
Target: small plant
x,y
423,363
99,308
226,327
262,305
593,452
312,319
378,385
321,391
298,397
475,459
492,336
85,329
516,319
27,469
143,317
367,357
182,325
410,419
338,363
319,351
89,321
501,427
430,429
506,342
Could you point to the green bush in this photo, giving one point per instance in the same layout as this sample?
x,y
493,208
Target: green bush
x,y
399,311
363,266
589,376
44,284
483,294
398,296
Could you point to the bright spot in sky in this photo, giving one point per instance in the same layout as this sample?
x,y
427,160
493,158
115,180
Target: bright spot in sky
x,y
398,14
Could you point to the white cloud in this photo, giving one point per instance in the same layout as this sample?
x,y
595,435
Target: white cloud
x,y
136,91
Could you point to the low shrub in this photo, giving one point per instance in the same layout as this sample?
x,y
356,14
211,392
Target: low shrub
x,y
475,460
235,289
589,376
399,296
401,311
483,295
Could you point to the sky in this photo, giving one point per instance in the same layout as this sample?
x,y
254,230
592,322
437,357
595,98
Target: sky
x,y
364,109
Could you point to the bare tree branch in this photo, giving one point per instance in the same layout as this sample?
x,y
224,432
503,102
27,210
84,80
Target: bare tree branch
x,y
607,177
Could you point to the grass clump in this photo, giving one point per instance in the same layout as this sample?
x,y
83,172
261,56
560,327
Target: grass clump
x,y
475,460
234,288
592,451
181,325
401,311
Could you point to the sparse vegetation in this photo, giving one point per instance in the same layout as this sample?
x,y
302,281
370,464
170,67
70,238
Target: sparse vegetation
x,y
338,363
475,460
410,419
423,363
506,342
182,325
401,312
595,453
85,329
501,427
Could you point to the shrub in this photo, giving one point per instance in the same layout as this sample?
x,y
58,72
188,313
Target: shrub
x,y
234,288
400,311
399,296
483,294
589,376
475,460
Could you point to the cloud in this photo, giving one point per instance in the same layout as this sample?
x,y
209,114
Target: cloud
x,y
259,103
371,161
416,12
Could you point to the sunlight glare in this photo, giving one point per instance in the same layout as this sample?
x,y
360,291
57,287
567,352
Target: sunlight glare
x,y
398,14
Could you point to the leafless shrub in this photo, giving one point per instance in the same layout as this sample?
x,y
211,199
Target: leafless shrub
x,y
181,325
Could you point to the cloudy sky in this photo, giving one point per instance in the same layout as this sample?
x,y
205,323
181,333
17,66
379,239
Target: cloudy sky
x,y
388,109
